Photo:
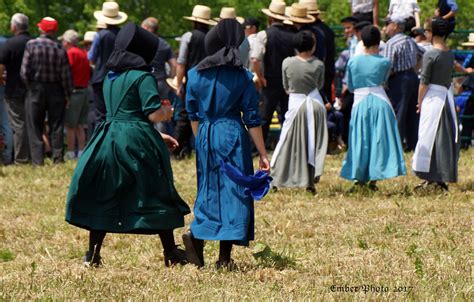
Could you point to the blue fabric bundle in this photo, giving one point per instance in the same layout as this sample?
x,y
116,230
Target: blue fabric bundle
x,y
256,185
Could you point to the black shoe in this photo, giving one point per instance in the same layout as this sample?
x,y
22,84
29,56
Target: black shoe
x,y
92,260
373,186
176,256
311,191
443,186
194,249
228,265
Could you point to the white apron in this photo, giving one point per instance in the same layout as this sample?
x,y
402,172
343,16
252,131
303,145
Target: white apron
x,y
296,100
378,91
430,115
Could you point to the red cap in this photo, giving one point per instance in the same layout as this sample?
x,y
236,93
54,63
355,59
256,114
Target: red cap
x,y
48,24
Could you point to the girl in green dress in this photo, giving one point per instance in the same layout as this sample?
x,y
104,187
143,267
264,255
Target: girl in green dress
x,y
123,183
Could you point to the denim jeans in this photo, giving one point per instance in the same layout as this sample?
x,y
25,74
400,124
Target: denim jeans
x,y
6,131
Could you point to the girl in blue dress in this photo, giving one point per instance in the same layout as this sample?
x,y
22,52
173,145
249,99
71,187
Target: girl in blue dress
x,y
222,104
375,149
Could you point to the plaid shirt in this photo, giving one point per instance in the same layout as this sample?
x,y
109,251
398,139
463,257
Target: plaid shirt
x,y
45,60
403,52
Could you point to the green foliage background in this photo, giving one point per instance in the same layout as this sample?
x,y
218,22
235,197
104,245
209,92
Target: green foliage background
x,y
78,14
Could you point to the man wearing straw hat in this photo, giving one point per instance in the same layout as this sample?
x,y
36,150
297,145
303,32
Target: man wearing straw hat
x,y
329,45
102,47
272,46
191,52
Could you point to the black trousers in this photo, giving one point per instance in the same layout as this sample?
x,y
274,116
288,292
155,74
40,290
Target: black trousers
x,y
273,97
42,99
364,16
99,103
403,94
16,114
346,109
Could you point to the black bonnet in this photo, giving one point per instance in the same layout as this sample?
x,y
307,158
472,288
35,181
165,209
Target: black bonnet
x,y
134,48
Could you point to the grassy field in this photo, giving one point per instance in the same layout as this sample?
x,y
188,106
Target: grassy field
x,y
393,244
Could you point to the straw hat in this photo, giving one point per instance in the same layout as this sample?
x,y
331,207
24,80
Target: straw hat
x,y
89,36
311,5
299,14
201,14
470,41
100,25
276,10
229,13
110,14
173,82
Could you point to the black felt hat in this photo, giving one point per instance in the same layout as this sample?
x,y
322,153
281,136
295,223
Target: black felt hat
x,y
350,19
134,48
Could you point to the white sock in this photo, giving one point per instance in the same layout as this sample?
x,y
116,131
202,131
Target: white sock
x,y
79,153
70,154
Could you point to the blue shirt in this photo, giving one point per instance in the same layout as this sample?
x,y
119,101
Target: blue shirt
x,y
403,52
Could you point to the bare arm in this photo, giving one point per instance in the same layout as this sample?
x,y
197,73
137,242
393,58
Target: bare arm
x,y
180,73
257,69
376,12
164,113
421,94
195,126
172,63
257,138
417,19
2,74
449,15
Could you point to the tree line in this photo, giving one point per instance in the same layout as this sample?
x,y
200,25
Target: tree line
x,y
78,14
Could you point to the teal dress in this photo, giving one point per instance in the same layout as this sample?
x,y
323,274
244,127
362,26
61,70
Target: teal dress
x,y
375,150
123,182
225,102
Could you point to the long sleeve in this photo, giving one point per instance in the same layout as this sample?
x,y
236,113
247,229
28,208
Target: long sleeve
x,y
26,65
250,99
66,78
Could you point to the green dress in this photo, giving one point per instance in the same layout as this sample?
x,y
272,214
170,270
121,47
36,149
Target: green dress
x,y
123,182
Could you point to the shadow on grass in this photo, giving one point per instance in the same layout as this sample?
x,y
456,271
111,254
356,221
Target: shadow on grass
x,y
266,257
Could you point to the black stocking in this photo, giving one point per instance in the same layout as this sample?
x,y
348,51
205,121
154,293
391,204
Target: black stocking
x,y
167,240
96,238
225,249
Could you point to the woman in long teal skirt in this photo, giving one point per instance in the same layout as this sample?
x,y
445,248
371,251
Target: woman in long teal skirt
x,y
375,150
123,183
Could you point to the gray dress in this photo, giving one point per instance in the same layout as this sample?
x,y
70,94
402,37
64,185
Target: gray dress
x,y
290,165
437,69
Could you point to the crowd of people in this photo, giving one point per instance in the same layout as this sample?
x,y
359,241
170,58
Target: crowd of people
x,y
136,103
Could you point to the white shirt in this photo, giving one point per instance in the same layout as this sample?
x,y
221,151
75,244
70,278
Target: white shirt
x,y
362,6
404,8
360,48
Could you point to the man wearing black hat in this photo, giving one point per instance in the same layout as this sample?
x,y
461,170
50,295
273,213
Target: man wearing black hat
x,y
251,26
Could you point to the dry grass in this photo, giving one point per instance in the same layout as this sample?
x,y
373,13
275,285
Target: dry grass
x,y
392,238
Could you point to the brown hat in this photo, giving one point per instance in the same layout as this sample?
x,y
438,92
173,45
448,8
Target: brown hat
x,y
201,14
299,14
276,10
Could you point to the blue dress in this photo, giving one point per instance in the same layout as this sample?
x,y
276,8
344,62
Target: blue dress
x,y
223,99
375,149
